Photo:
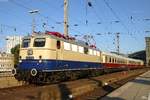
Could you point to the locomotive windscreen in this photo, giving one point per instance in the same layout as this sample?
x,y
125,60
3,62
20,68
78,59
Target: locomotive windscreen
x,y
39,42
25,43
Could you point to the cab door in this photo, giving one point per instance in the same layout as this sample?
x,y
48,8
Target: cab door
x,y
59,54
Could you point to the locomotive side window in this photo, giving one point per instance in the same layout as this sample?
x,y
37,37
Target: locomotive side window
x,y
58,45
81,50
67,46
74,47
90,51
39,42
98,53
94,52
26,43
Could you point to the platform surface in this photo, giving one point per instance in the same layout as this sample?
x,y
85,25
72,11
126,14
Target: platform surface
x,y
138,89
9,81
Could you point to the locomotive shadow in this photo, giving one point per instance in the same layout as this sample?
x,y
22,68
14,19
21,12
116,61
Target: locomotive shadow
x,y
65,92
56,92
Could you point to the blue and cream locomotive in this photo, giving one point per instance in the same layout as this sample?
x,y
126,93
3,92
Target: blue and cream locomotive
x,y
44,55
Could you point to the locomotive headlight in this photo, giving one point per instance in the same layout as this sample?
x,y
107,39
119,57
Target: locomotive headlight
x,y
40,59
20,59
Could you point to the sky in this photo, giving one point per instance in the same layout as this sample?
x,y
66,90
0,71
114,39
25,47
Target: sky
x,y
102,20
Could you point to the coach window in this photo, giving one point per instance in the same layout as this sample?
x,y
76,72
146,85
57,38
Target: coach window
x,y
106,59
98,53
58,45
110,59
39,42
113,60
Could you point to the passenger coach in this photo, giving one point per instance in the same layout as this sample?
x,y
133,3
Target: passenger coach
x,y
114,61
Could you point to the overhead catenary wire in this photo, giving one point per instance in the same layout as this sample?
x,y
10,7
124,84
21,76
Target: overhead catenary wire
x,y
62,22
115,14
90,4
118,18
28,8
7,26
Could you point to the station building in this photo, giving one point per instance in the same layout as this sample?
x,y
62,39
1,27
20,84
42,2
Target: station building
x,y
147,39
6,62
12,41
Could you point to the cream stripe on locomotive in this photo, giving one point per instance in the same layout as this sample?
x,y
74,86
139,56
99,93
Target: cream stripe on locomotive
x,y
67,51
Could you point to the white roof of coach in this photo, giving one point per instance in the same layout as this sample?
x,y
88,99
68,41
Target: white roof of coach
x,y
120,56
114,55
135,59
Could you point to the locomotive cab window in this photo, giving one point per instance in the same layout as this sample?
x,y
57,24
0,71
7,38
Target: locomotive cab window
x,y
26,43
39,42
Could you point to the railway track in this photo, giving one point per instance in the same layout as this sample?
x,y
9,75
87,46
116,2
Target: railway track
x,y
91,88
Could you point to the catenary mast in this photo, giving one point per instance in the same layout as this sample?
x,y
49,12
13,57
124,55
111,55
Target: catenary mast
x,y
66,17
118,43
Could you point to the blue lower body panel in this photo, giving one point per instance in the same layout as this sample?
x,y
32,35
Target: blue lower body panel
x,y
57,65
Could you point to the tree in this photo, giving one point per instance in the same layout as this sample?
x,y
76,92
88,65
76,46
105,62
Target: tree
x,y
15,51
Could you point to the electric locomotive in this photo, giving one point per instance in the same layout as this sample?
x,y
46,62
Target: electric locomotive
x,y
44,57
